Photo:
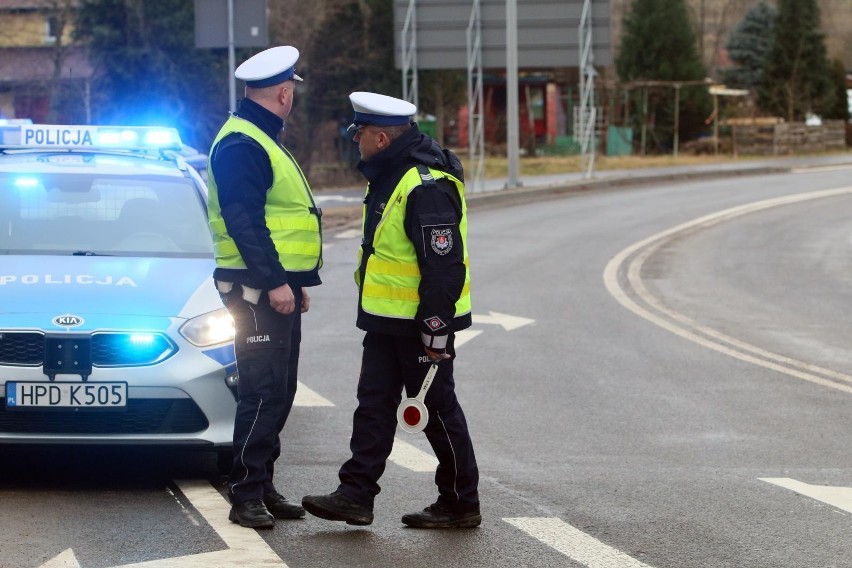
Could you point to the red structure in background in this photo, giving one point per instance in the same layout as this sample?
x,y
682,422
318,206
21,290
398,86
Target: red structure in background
x,y
542,112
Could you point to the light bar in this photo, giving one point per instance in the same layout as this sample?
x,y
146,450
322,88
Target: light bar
x,y
59,136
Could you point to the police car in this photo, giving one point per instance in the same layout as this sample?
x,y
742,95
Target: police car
x,y
111,330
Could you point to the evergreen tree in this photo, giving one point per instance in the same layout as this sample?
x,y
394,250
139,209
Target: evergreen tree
x,y
839,107
748,47
796,79
148,71
659,44
351,50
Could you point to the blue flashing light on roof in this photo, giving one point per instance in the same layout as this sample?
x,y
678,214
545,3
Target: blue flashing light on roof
x,y
26,182
59,136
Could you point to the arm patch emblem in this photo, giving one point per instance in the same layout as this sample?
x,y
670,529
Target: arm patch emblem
x,y
442,241
434,323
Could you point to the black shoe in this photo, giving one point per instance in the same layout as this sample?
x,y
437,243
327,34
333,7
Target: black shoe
x,y
436,516
281,508
336,507
252,514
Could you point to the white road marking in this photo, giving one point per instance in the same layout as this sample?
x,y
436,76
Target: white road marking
x,y
244,546
64,559
350,234
506,321
821,169
574,543
338,197
410,457
466,335
685,327
840,497
306,397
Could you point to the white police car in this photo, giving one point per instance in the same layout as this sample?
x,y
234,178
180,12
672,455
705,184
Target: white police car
x,y
111,329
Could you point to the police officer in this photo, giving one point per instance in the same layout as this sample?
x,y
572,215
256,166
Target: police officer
x,y
414,294
267,242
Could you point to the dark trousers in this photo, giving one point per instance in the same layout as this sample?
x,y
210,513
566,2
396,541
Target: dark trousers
x,y
388,364
267,348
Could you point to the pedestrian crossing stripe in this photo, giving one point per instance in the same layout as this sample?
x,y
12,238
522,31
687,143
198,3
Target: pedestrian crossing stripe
x,y
307,397
574,543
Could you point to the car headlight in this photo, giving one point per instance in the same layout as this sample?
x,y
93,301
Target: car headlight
x,y
209,329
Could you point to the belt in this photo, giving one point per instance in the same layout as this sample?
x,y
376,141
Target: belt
x,y
250,295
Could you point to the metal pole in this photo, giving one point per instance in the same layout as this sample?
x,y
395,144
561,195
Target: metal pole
x,y
512,114
588,107
232,82
475,107
676,117
408,44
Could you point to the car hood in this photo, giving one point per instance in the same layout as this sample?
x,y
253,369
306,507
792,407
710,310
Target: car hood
x,y
104,292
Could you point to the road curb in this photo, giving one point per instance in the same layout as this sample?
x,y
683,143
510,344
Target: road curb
x,y
520,194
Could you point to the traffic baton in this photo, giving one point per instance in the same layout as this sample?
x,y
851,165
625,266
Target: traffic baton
x,y
412,414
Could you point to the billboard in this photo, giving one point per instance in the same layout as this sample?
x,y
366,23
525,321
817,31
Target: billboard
x,y
548,33
211,23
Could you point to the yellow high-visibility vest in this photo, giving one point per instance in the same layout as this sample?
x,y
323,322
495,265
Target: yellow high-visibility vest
x,y
392,276
291,216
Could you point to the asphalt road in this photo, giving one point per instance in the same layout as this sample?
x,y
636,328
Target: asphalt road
x,y
672,389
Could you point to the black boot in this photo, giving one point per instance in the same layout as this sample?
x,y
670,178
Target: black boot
x,y
337,507
252,514
437,516
281,508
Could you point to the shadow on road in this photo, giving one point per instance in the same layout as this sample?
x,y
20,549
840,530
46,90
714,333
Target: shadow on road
x,y
99,467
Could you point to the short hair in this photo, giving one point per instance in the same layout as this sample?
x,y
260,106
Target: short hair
x,y
394,131
263,93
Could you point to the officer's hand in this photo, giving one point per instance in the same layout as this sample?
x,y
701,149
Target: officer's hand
x,y
436,357
282,300
306,300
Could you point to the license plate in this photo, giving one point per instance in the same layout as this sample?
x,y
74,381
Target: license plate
x,y
65,395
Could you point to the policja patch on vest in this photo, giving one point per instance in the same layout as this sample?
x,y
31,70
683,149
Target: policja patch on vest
x,y
442,241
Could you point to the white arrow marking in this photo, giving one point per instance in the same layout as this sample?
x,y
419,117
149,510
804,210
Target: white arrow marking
x,y
508,322
466,335
307,397
64,559
840,497
410,457
574,543
245,546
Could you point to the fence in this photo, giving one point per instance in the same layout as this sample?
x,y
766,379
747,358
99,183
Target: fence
x,y
787,138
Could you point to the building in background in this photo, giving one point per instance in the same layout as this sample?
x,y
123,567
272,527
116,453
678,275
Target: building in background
x,y
44,76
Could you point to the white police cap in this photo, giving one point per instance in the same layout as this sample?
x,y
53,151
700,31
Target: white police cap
x,y
269,67
373,108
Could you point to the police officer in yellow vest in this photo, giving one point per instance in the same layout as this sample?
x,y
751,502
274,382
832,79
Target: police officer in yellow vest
x,y
414,294
267,241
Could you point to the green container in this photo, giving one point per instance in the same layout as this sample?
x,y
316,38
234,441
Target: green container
x,y
619,141
427,127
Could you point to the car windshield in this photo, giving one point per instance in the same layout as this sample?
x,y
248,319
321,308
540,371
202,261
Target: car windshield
x,y
93,214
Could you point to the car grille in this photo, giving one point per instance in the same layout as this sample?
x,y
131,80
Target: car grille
x,y
108,349
141,416
21,348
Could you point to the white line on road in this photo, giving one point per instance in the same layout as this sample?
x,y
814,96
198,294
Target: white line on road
x,y
466,335
840,497
820,169
349,234
685,327
574,543
245,546
410,457
307,397
65,559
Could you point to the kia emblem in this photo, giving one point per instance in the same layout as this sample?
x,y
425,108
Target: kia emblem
x,y
67,321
